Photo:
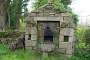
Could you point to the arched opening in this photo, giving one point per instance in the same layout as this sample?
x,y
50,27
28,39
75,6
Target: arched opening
x,y
48,35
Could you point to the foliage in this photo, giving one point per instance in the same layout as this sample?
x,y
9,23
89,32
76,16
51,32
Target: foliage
x,y
87,37
82,52
80,39
57,4
75,18
3,34
9,34
83,37
65,2
6,54
3,49
16,10
39,3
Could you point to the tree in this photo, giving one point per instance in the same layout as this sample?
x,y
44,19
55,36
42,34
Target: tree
x,y
2,14
15,11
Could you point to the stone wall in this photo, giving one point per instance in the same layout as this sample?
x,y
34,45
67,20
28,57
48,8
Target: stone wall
x,y
68,46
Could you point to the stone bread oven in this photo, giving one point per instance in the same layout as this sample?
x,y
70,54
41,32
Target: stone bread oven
x,y
49,30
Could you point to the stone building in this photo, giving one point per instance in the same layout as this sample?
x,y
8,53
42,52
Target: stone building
x,y
49,30
2,14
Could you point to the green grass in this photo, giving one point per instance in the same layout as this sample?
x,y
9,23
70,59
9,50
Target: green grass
x,y
20,55
6,54
28,54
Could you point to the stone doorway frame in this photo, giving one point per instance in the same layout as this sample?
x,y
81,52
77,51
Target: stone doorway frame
x,y
54,37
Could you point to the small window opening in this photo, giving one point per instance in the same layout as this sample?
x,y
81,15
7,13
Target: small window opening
x,y
0,12
29,38
66,38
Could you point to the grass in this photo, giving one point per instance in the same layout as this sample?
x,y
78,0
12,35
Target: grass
x,y
20,55
28,54
6,54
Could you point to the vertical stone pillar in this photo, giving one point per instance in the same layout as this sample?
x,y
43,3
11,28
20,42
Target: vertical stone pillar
x,y
61,35
33,36
27,31
70,45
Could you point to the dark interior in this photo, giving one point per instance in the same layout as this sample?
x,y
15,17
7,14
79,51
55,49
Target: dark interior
x,y
48,35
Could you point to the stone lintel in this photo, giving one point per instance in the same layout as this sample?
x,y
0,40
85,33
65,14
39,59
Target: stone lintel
x,y
48,18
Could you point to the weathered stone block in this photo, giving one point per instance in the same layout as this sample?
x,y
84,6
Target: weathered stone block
x,y
34,43
46,47
28,43
33,37
63,45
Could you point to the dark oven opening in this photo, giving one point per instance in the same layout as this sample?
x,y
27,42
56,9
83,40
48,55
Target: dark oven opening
x,y
48,35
